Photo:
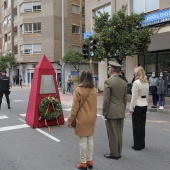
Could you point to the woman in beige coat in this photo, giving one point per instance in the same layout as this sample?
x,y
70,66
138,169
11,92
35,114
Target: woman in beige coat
x,y
85,99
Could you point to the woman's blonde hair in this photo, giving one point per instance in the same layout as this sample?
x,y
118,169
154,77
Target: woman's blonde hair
x,y
140,74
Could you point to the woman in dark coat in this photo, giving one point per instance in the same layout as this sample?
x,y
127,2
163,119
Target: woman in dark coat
x,y
162,88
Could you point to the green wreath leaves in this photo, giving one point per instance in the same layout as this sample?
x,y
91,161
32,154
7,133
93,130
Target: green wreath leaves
x,y
50,108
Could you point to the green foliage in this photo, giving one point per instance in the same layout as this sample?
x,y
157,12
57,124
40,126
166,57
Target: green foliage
x,y
7,59
73,57
120,35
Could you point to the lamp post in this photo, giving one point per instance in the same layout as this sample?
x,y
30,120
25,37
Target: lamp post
x,y
63,64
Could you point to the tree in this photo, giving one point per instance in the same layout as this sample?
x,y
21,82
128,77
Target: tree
x,y
4,60
74,58
120,35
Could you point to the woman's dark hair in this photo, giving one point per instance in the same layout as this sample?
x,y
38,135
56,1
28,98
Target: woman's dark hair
x,y
86,78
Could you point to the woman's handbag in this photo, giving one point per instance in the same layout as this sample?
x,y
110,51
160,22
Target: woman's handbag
x,y
73,124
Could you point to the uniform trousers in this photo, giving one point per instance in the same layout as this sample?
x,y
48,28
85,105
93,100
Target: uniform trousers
x,y
86,148
115,131
6,95
138,124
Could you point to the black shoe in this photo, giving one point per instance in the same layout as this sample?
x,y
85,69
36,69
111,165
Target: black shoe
x,y
107,155
9,107
136,149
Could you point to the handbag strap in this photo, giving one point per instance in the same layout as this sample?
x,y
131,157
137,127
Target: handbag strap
x,y
83,103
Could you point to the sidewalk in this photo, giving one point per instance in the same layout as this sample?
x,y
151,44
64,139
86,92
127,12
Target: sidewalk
x,y
67,99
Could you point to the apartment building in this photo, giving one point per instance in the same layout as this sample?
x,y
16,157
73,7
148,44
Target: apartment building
x,y
157,16
33,28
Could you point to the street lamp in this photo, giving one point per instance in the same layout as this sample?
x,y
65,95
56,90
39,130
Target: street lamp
x,y
63,64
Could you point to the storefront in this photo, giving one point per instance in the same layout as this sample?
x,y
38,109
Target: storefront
x,y
157,62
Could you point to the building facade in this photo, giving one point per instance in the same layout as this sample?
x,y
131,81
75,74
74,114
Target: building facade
x,y
157,16
33,28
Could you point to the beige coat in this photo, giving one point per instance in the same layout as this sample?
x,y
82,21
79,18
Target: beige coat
x,y
86,118
115,99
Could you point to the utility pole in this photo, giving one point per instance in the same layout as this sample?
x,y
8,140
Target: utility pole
x,y
63,64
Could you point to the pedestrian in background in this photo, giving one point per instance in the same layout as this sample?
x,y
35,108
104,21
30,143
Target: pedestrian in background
x,y
85,104
153,89
114,105
4,88
69,81
20,80
138,108
162,85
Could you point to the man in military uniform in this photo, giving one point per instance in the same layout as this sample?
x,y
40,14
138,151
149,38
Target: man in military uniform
x,y
114,105
4,88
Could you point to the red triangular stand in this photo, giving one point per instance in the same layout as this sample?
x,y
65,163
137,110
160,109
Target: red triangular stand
x,y
44,67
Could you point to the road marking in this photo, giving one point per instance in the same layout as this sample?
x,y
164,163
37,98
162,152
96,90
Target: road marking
x,y
69,109
65,119
17,100
3,117
44,133
23,115
167,129
156,121
48,135
13,127
99,115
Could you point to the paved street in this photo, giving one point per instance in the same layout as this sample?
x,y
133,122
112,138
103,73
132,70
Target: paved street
x,y
24,148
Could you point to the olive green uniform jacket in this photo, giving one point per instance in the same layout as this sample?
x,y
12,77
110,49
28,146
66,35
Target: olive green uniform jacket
x,y
114,98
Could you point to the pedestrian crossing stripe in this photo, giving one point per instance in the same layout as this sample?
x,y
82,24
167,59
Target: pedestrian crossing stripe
x,y
3,117
69,109
23,115
17,100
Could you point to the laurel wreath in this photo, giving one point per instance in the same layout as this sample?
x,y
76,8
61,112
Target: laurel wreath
x,y
50,108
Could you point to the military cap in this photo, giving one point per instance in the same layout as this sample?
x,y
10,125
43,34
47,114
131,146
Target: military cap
x,y
3,71
114,64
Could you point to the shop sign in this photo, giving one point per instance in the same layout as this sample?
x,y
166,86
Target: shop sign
x,y
156,17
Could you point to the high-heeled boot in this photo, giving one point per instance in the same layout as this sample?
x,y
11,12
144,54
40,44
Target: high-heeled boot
x,y
9,106
82,166
90,164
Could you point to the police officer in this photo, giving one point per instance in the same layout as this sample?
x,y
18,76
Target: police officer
x,y
4,88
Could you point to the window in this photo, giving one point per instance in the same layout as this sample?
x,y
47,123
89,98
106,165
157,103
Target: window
x,y
9,19
140,6
75,29
75,9
36,27
27,28
30,49
9,37
5,37
30,7
36,6
9,3
104,9
36,48
83,30
83,12
30,28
